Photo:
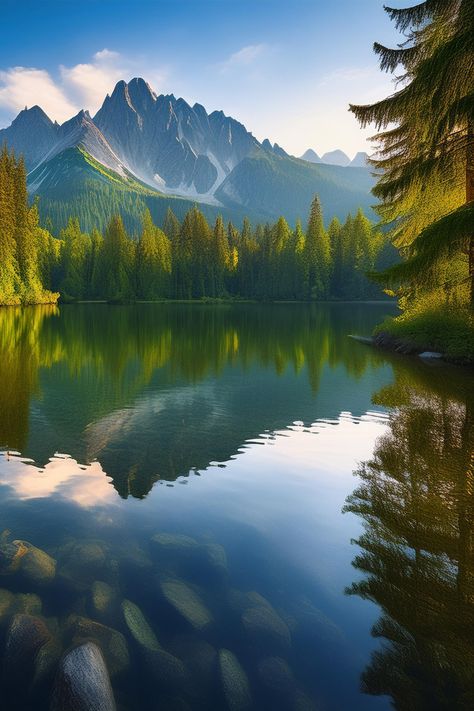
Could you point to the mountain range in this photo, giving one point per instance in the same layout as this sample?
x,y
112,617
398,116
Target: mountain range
x,y
141,149
337,157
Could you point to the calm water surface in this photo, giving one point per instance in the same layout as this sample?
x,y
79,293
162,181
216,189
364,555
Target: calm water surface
x,y
239,478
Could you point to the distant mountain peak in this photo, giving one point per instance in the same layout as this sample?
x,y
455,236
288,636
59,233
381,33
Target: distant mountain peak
x,y
360,160
311,156
177,149
336,157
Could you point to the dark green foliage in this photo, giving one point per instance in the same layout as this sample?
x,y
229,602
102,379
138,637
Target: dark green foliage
x,y
425,157
185,260
27,253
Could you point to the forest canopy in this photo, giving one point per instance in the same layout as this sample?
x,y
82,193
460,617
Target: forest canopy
x,y
182,260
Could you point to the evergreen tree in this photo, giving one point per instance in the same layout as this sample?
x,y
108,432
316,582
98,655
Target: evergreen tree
x,y
153,261
317,254
426,143
75,258
9,270
220,258
117,258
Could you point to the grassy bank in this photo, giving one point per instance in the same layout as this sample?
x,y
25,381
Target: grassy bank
x,y
441,328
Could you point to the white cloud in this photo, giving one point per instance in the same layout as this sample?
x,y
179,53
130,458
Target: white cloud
x,y
106,54
244,57
23,86
82,86
89,83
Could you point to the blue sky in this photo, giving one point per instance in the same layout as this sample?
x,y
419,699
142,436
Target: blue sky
x,y
287,70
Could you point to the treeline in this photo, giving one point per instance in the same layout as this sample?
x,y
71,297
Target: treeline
x,y
192,260
182,260
26,250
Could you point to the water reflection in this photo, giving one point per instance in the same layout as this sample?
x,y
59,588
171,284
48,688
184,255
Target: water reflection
x,y
62,476
154,391
416,498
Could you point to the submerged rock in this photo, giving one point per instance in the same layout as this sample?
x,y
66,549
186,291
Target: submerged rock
x,y
80,564
239,601
302,702
46,662
138,627
82,683
167,670
111,642
235,684
103,600
28,604
216,558
187,603
36,566
25,637
200,660
173,547
6,604
266,629
10,554
277,677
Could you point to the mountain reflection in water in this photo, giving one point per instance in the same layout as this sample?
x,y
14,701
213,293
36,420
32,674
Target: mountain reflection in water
x,y
231,434
154,391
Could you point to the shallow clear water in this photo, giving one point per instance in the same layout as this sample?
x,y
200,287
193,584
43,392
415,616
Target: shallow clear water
x,y
126,428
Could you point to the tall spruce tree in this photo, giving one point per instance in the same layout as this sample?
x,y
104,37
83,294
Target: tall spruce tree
x,y
426,142
317,254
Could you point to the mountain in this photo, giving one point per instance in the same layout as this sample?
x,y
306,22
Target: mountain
x,y
336,157
311,156
360,160
32,134
141,148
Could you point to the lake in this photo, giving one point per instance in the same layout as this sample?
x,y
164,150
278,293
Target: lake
x,y
243,507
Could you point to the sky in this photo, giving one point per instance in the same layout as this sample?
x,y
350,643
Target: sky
x,y
287,69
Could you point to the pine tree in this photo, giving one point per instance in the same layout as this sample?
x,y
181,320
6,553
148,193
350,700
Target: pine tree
x,y
220,258
317,254
117,262
426,141
9,270
153,261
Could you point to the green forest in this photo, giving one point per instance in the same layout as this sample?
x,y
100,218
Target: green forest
x,y
182,260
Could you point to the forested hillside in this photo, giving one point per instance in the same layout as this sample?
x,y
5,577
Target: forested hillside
x,y
184,259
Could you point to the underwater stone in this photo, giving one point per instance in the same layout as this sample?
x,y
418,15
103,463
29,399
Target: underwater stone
x,y
111,642
25,636
139,627
235,683
174,544
46,662
80,564
167,670
103,598
216,557
187,603
28,604
82,683
276,676
134,557
302,702
6,604
200,659
266,629
36,566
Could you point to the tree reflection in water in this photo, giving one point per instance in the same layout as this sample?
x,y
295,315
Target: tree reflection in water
x,y
416,498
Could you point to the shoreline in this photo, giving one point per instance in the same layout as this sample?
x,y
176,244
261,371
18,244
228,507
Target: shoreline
x,y
385,341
